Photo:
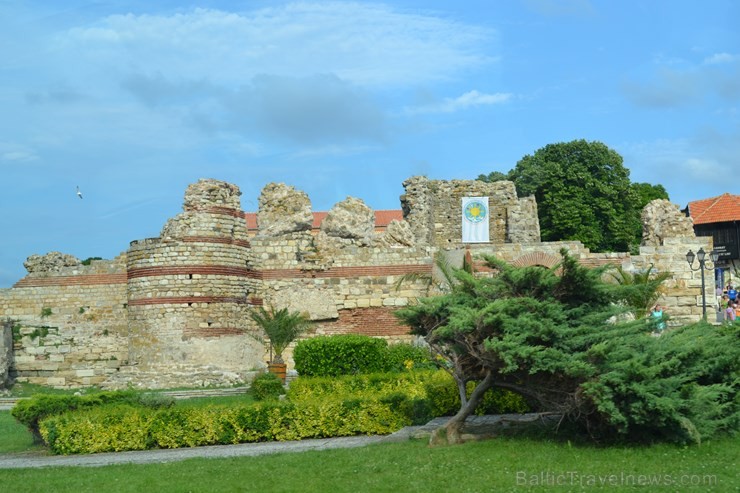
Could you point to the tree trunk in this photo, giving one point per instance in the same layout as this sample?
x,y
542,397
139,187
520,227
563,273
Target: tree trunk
x,y
451,432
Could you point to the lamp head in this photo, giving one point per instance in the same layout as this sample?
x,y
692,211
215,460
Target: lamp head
x,y
700,255
715,255
690,257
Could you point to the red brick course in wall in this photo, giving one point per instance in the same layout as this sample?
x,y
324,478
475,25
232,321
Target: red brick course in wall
x,y
375,321
218,270
182,300
216,239
210,332
346,272
338,272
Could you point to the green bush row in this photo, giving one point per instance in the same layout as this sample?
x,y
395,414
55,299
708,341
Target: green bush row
x,y
126,427
353,354
318,407
30,412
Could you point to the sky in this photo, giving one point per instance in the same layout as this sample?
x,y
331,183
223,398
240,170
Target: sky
x,y
131,101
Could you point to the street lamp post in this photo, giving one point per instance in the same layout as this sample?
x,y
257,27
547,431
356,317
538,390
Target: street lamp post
x,y
701,257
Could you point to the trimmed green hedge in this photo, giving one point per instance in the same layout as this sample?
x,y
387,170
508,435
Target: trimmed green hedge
x,y
267,386
340,355
352,354
126,427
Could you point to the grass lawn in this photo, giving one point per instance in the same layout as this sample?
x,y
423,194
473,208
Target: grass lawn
x,y
14,437
506,464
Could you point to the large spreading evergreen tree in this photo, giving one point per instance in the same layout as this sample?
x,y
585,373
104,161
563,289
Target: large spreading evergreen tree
x,y
551,335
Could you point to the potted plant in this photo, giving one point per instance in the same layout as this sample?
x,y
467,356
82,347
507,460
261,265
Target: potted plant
x,y
282,327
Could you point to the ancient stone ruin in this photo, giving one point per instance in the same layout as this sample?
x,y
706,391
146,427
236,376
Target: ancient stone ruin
x,y
662,219
173,311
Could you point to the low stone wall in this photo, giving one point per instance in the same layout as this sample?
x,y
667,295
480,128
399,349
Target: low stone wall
x,y
682,296
70,322
67,356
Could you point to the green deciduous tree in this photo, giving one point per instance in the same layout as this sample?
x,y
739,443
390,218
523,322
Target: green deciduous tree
x,y
583,193
493,176
550,335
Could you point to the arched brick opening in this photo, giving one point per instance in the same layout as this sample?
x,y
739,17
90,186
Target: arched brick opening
x,y
537,258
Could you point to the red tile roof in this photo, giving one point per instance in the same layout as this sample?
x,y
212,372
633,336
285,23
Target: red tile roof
x,y
724,208
382,218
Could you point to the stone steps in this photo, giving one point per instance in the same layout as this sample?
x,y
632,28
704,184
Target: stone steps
x,y
7,403
195,393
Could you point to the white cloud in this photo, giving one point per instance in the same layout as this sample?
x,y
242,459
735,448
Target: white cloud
x,y
331,150
12,153
312,110
310,73
361,43
721,58
468,100
667,88
718,77
561,7
689,169
18,156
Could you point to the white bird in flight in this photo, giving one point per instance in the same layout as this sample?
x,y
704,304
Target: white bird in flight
x,y
79,194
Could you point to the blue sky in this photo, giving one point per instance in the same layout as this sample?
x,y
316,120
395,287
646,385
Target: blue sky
x,y
133,100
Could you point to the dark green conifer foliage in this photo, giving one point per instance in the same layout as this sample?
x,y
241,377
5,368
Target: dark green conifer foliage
x,y
554,335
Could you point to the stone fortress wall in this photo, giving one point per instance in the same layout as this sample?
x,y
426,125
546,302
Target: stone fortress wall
x,y
174,310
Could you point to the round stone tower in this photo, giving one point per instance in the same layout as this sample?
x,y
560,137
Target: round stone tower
x,y
189,319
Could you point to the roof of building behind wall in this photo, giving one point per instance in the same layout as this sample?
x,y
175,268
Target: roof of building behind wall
x,y
725,208
382,219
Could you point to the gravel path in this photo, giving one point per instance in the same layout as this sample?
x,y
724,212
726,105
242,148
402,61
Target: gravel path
x,y
483,425
15,461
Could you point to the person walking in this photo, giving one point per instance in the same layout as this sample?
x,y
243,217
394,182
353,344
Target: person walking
x,y
730,314
656,314
732,293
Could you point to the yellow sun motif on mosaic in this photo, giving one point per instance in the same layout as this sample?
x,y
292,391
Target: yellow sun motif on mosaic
x,y
475,211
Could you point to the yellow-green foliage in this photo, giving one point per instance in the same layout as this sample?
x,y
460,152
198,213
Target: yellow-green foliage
x,y
318,407
193,427
444,398
100,429
442,394
373,385
121,427
499,401
436,387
